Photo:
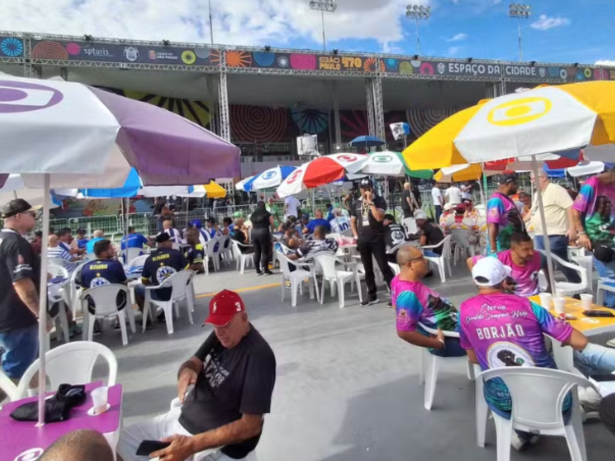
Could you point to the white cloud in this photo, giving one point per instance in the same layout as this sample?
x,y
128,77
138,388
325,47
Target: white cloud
x,y
545,22
457,38
605,62
236,22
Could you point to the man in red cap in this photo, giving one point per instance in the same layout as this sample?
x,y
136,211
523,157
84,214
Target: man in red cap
x,y
233,374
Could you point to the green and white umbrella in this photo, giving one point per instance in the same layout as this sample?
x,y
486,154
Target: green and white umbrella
x,y
391,164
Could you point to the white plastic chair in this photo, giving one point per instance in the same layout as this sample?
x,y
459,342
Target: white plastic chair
x,y
8,387
71,363
462,239
537,397
337,278
587,262
242,259
181,285
444,259
604,284
430,364
105,302
132,253
74,288
137,263
54,296
212,253
568,288
297,277
410,226
225,248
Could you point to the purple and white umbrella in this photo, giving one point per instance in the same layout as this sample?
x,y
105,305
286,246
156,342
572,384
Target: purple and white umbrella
x,y
67,135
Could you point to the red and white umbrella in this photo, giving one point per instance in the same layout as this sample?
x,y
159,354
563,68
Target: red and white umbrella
x,y
321,171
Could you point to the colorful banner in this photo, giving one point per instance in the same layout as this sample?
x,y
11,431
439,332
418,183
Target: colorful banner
x,y
11,47
131,54
522,72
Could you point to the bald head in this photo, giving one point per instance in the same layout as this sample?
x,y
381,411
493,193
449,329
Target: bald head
x,y
79,446
53,240
98,234
406,254
412,264
407,185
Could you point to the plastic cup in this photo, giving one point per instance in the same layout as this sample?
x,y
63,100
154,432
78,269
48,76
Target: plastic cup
x,y
586,301
545,300
100,395
559,303
559,292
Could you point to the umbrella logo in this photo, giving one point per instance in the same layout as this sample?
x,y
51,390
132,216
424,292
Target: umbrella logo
x,y
346,158
382,159
294,176
30,455
270,175
26,97
519,111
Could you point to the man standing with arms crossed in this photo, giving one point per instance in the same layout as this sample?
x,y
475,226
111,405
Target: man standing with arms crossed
x,y
559,219
367,216
20,272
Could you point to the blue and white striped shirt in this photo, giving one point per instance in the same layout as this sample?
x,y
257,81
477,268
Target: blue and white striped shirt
x,y
60,253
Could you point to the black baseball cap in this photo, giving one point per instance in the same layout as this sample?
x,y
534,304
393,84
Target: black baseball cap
x,y
389,217
506,178
164,237
366,183
19,205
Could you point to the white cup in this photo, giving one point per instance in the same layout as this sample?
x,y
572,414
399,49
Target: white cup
x,y
559,292
586,301
100,395
559,304
545,300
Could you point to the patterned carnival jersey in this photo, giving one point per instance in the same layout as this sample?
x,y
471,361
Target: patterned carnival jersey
x,y
526,277
502,211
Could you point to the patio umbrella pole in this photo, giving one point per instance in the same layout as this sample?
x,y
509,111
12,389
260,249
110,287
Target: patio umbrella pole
x,y
543,221
42,316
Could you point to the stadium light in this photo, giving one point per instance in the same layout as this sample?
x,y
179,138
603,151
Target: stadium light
x,y
211,24
520,11
418,13
324,5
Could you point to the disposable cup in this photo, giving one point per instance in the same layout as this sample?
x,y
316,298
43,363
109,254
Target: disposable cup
x,y
559,304
100,396
559,292
545,300
586,301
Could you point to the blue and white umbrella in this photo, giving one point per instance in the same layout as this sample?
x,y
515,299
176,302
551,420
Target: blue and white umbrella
x,y
269,179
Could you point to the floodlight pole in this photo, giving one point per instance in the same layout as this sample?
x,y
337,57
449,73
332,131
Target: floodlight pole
x,y
211,24
418,13
520,11
324,5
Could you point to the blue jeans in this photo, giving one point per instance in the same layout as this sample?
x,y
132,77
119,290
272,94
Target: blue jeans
x,y
607,270
20,350
452,348
430,254
559,247
438,213
595,360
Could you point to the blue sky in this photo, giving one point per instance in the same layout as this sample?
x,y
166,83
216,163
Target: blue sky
x,y
558,31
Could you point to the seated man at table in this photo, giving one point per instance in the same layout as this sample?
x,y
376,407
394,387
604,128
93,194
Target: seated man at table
x,y
227,226
524,262
211,227
65,237
233,374
81,241
416,303
195,253
394,235
241,235
55,251
96,236
318,220
167,228
429,234
515,336
161,264
134,240
79,445
319,245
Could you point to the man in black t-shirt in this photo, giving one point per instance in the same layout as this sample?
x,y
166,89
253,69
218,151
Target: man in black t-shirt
x,y
394,236
429,234
410,199
367,216
195,253
20,272
159,266
233,374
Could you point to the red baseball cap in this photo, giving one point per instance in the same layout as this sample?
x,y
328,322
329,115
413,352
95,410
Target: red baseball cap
x,y
223,307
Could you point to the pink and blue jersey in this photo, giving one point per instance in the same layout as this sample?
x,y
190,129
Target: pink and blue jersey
x,y
415,303
526,277
585,203
505,330
502,211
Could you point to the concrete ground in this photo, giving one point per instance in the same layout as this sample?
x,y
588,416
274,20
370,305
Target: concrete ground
x,y
347,387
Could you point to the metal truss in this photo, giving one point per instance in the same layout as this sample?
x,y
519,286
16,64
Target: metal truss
x,y
378,107
209,84
224,118
369,98
332,87
123,65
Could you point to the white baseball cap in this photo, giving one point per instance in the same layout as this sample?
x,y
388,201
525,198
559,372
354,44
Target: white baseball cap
x,y
491,269
448,206
420,214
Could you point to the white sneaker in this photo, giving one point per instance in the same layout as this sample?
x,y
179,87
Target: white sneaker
x,y
519,443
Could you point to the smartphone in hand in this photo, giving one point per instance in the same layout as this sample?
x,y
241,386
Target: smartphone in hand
x,y
148,447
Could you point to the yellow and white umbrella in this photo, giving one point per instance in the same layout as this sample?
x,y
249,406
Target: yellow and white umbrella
x,y
539,121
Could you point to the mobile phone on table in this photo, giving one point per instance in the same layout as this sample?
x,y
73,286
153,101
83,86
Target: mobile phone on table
x,y
148,447
602,378
598,314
